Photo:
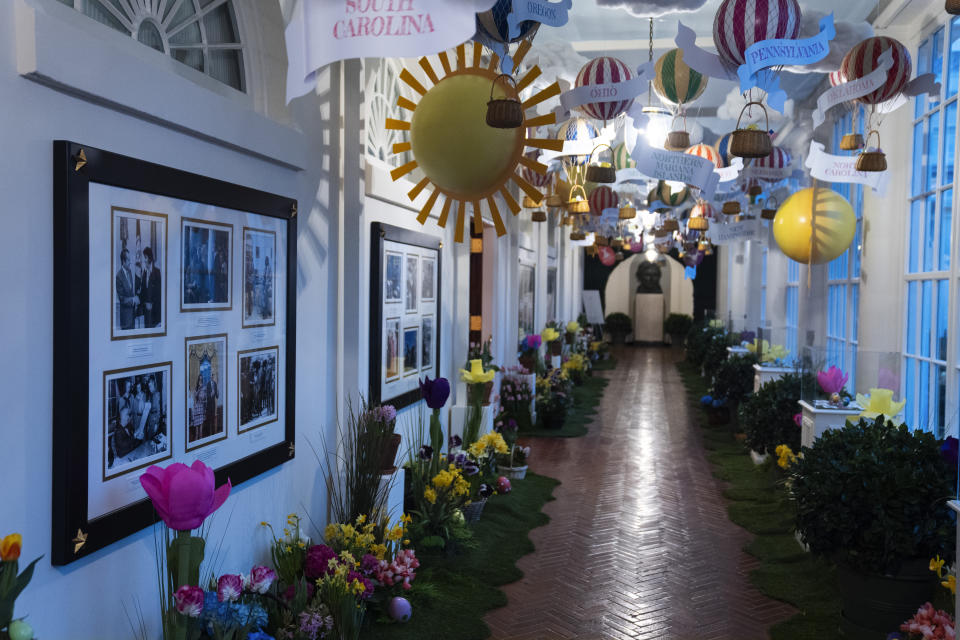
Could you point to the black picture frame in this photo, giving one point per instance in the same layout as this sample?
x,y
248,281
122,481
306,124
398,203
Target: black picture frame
x,y
75,166
379,234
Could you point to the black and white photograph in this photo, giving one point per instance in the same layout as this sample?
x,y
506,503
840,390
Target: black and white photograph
x,y
206,390
257,372
427,279
138,275
205,265
136,403
410,348
426,342
392,351
410,299
394,277
259,277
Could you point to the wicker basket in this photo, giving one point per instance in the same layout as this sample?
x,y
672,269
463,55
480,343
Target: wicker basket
x,y
539,216
602,172
554,200
670,225
473,511
628,212
754,190
567,220
698,224
677,141
578,204
751,143
603,241
506,112
617,244
731,208
769,211
952,7
873,161
853,141
578,235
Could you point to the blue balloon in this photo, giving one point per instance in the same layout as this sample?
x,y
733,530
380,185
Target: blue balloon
x,y
492,24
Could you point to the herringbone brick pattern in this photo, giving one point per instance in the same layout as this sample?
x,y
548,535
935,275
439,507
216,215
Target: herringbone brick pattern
x,y
639,545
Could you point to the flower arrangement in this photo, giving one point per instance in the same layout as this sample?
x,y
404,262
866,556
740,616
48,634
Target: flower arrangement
x,y
482,351
785,456
12,584
554,397
929,623
485,450
515,398
948,576
477,379
231,607
577,367
438,519
832,383
767,416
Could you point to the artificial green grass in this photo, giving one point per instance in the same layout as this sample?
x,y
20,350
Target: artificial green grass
x,y
605,365
758,502
463,587
586,397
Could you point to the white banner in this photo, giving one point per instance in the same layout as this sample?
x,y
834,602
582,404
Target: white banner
x,y
675,165
709,64
611,91
831,168
727,174
925,84
543,11
853,89
771,174
733,232
323,31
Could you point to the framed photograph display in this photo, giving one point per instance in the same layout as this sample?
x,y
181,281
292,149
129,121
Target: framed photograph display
x,y
153,360
404,318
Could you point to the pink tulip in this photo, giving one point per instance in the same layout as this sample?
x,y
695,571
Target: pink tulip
x,y
229,587
798,419
832,380
184,496
189,600
261,578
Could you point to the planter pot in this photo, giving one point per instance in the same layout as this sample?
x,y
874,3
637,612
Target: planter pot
x,y
718,416
618,337
875,605
389,454
676,339
472,512
556,348
570,337
528,362
513,473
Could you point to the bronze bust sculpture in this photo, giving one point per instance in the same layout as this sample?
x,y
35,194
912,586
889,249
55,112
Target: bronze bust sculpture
x,y
648,277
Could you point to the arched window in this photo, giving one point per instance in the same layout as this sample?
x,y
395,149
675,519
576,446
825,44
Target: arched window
x,y
202,34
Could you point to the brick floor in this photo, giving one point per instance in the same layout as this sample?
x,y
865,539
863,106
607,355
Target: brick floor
x,y
639,545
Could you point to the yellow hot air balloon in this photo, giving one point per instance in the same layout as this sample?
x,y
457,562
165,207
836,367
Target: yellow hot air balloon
x,y
814,225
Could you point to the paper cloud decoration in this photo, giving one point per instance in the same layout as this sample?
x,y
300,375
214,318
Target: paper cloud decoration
x,y
847,35
652,8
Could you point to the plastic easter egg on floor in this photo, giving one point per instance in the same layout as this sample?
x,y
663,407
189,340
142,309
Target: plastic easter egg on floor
x,y
400,609
20,630
503,484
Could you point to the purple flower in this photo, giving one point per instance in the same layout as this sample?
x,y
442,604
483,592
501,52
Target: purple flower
x,y
798,419
229,587
291,591
455,441
261,578
426,452
457,459
950,450
832,380
435,392
533,341
369,565
367,584
189,600
470,468
318,561
485,490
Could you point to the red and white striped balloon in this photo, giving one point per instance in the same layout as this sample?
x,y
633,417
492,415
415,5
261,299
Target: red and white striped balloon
x,y
703,209
604,70
602,198
539,180
707,151
862,59
837,77
740,23
779,158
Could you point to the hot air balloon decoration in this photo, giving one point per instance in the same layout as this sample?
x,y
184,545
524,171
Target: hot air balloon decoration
x,y
751,142
872,159
601,171
707,152
604,70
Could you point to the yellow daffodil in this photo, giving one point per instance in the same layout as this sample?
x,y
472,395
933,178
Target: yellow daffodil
x,y
785,456
477,375
752,347
880,401
775,352
573,327
549,334
951,583
430,495
936,564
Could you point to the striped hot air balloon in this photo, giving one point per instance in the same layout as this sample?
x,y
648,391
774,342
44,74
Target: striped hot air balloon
x,y
603,198
723,148
862,59
675,81
836,77
621,157
779,158
577,129
604,70
492,24
703,209
672,195
538,180
741,23
707,151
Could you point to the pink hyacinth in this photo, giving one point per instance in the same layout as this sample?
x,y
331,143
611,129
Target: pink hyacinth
x,y
400,571
184,496
930,623
832,380
261,578
229,587
189,600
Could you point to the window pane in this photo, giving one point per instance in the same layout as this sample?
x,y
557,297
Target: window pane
x,y
925,316
949,140
150,36
190,57
916,181
954,66
912,317
793,271
929,231
937,63
857,244
930,156
923,395
923,66
943,318
946,214
916,213
103,15
910,374
219,26
854,311
940,390
184,12
190,34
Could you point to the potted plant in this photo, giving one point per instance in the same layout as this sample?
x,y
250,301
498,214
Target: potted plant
x,y
577,367
515,398
573,328
551,336
478,396
378,425
872,498
514,465
12,583
677,325
767,416
733,379
554,398
483,353
529,352
718,413
619,325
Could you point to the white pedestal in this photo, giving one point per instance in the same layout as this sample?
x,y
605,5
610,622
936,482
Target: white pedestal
x,y
395,497
737,351
817,420
648,317
556,361
763,375
532,382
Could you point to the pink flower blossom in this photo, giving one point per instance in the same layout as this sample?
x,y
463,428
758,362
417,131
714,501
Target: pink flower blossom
x,y
798,419
189,600
930,623
261,578
832,380
229,587
184,496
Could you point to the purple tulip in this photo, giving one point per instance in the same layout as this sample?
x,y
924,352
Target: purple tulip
x,y
426,452
832,380
184,496
435,392
229,587
455,442
261,578
950,450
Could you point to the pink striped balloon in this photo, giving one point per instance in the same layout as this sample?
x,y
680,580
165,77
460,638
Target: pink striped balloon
x,y
604,70
837,77
703,209
779,158
707,151
741,23
602,198
538,180
862,59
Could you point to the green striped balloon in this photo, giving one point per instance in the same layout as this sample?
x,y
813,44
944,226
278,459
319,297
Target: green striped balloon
x,y
676,82
670,196
621,157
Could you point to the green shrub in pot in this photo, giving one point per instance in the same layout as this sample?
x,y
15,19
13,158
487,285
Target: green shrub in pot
x,y
619,325
733,379
699,339
677,325
767,416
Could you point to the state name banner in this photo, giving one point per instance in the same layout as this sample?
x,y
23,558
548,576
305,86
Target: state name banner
x,y
324,31
854,89
610,91
733,232
830,168
675,165
779,52
923,84
730,173
542,11
771,174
